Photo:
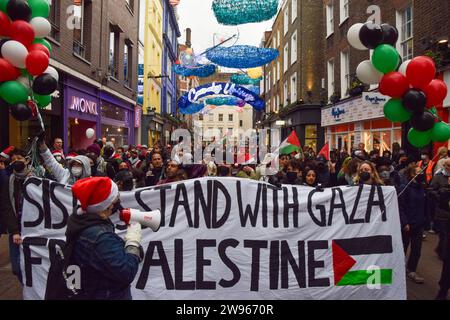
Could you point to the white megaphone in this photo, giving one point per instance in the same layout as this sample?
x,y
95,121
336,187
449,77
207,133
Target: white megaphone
x,y
150,219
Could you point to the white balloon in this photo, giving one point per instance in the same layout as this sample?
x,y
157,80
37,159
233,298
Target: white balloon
x,y
90,133
353,37
403,67
24,80
53,72
15,52
41,27
367,73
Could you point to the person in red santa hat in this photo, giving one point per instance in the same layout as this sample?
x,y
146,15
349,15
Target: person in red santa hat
x,y
108,263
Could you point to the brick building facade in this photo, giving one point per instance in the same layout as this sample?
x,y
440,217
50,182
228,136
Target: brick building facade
x,y
95,50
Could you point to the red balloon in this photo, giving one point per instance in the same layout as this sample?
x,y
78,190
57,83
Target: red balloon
x,y
22,32
37,62
7,71
5,24
420,72
39,47
436,92
394,84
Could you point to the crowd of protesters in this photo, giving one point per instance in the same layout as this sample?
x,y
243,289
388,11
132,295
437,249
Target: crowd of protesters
x,y
423,186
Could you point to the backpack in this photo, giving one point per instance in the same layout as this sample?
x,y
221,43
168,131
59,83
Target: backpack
x,y
57,285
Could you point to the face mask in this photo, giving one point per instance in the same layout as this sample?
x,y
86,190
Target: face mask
x,y
385,175
291,175
77,172
365,176
18,166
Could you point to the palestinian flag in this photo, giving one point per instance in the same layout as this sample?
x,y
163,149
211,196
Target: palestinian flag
x,y
343,261
290,145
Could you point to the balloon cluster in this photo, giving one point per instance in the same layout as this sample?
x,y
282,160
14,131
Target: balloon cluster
x,y
411,85
26,80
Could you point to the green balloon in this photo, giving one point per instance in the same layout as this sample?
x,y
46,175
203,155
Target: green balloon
x,y
396,112
39,8
3,5
13,92
419,139
42,101
385,58
44,43
440,132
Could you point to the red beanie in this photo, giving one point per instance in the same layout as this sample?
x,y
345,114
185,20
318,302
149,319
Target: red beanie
x,y
5,153
95,194
94,148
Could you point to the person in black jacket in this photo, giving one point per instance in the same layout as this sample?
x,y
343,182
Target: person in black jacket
x,y
412,217
156,171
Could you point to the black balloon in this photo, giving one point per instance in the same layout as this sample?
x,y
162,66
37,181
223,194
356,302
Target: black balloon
x,y
45,84
390,34
19,10
371,35
400,62
423,121
21,112
415,101
3,103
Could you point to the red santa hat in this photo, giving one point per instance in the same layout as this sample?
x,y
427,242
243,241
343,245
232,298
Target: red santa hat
x,y
71,156
95,194
58,153
5,153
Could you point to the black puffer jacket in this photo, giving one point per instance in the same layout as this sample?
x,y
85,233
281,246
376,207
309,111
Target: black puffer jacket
x,y
441,194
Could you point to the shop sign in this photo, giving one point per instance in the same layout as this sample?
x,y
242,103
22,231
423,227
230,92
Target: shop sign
x,y
83,105
137,117
354,110
374,98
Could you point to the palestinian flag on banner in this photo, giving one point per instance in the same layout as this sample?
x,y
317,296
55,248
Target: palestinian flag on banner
x,y
290,145
343,261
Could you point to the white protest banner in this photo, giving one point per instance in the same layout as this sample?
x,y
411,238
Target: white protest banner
x,y
240,239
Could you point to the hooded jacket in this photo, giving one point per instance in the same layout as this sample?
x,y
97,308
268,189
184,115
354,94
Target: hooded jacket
x,y
64,175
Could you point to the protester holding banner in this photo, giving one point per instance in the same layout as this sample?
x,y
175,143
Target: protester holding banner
x,y
367,174
310,178
412,206
156,170
78,168
294,173
11,205
108,264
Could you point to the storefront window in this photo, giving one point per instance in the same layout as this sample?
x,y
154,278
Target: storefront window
x,y
311,137
115,113
386,141
115,134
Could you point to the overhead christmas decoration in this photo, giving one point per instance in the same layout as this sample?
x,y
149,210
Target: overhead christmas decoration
x,y
235,12
224,101
243,79
201,71
242,57
410,84
192,108
199,94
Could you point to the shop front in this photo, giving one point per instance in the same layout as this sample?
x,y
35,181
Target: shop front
x,y
88,107
305,121
117,120
360,120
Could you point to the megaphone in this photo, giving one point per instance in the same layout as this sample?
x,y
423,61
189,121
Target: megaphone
x,y
150,219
